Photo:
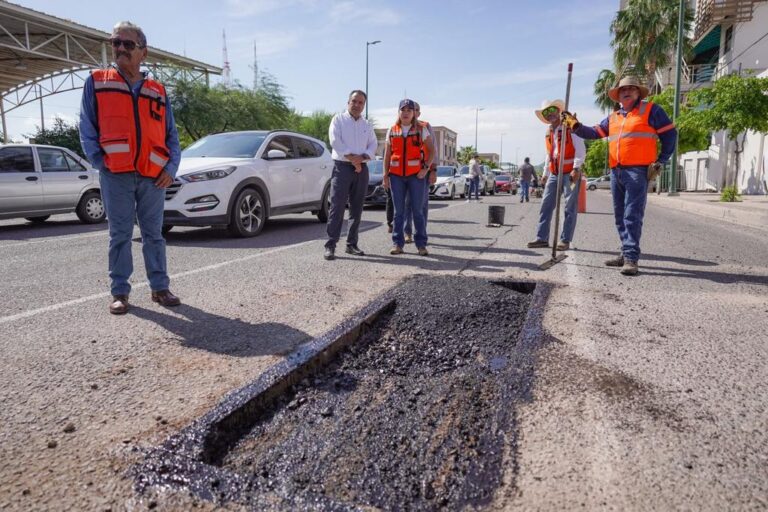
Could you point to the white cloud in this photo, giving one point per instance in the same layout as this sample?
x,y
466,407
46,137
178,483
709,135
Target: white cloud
x,y
267,43
349,12
249,8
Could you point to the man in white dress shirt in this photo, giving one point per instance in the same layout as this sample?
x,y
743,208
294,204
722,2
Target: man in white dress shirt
x,y
353,143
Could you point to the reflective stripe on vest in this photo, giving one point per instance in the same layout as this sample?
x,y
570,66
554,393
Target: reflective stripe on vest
x,y
631,139
132,129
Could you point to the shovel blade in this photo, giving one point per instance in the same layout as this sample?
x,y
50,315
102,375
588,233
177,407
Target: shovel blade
x,y
552,262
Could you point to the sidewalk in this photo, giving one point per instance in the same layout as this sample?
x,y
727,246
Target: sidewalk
x,y
752,211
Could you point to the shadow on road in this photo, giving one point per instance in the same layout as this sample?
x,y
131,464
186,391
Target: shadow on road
x,y
659,257
437,261
715,277
24,230
214,333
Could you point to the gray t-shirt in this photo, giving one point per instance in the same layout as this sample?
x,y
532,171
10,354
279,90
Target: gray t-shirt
x,y
526,172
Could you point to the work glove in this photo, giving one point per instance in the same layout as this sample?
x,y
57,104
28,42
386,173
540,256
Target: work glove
x,y
653,171
570,120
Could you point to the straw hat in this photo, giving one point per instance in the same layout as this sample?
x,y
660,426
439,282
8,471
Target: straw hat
x,y
560,104
627,81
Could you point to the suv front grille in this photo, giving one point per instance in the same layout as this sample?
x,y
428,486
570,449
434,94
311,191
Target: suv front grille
x,y
172,189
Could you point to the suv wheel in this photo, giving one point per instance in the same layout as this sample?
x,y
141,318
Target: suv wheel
x,y
38,220
493,190
325,205
91,210
248,214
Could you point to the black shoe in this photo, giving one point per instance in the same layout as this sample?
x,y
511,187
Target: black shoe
x,y
354,250
329,253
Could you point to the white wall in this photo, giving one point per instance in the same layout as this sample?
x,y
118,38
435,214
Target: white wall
x,y
744,35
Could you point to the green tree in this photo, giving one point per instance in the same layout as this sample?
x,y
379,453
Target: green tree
x,y
605,82
734,104
645,36
690,137
315,125
465,154
596,161
62,134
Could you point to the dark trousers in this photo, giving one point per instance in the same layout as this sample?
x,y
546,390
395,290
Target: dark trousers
x,y
346,186
390,208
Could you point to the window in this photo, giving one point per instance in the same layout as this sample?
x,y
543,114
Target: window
x,y
728,40
319,148
283,143
52,160
304,148
16,159
74,165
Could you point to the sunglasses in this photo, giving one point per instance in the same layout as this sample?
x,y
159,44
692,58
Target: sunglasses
x,y
550,111
127,43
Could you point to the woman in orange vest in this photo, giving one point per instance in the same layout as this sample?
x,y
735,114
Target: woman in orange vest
x,y
405,172
632,132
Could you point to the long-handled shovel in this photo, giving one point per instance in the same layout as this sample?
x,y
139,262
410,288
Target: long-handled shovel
x,y
557,258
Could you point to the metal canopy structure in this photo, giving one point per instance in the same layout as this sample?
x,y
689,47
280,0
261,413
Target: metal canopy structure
x,y
42,55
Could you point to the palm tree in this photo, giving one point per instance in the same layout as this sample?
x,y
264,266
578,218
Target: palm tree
x,y
645,36
605,81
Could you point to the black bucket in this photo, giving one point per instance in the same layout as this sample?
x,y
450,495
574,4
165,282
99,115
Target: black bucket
x,y
496,216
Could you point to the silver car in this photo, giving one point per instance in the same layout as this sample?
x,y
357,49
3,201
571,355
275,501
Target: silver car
x,y
39,181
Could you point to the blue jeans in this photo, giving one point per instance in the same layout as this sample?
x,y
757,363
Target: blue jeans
x,y
413,188
129,195
629,188
409,211
570,197
524,188
474,185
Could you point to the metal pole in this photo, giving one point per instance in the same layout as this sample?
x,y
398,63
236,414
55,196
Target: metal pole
x,y
561,159
2,114
673,172
501,151
367,44
477,109
42,114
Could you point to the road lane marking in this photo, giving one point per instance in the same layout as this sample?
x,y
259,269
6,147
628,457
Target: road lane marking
x,y
56,239
207,268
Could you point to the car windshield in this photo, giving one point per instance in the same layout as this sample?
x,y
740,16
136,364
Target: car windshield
x,y
376,167
444,172
226,145
464,169
502,178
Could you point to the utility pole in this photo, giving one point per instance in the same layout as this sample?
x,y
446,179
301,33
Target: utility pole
x,y
367,44
225,71
679,61
501,150
477,109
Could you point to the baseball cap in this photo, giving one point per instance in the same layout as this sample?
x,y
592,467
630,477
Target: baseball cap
x,y
407,104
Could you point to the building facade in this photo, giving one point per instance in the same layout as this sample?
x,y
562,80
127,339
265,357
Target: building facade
x,y
445,144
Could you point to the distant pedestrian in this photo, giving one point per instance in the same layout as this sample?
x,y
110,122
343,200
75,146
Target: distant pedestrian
x,y
633,132
527,174
573,157
405,172
474,178
353,143
431,179
127,132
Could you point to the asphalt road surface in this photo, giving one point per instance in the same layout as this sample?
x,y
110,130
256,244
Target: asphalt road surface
x,y
649,391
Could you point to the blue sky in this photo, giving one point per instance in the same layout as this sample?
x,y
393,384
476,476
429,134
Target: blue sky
x,y
451,56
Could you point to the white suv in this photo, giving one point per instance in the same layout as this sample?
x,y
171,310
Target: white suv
x,y
240,179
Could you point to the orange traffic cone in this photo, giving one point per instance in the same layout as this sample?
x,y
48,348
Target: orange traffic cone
x,y
583,195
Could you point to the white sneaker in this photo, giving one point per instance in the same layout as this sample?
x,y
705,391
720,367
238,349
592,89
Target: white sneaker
x,y
468,200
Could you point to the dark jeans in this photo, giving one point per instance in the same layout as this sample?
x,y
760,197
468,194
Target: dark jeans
x,y
524,188
346,186
629,188
390,208
127,196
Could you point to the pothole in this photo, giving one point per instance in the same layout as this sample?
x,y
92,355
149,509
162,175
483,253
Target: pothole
x,y
409,405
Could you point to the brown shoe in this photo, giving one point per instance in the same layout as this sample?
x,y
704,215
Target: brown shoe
x,y
165,298
408,239
423,251
563,246
538,243
396,249
618,261
119,305
629,268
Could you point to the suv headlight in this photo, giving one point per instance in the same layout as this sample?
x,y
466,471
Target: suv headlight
x,y
213,174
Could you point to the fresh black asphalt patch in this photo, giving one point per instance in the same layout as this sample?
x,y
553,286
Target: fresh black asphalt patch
x,y
417,412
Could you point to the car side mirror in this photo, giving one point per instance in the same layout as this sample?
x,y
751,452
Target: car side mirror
x,y
274,154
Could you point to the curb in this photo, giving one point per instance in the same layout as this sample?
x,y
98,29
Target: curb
x,y
751,217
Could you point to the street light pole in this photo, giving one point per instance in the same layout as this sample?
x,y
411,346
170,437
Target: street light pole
x,y
501,150
478,109
673,173
367,44
517,164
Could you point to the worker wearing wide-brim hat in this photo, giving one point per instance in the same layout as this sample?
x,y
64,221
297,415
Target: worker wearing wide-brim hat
x,y
632,132
573,158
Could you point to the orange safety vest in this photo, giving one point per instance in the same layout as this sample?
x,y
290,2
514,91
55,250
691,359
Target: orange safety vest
x,y
407,152
425,149
631,140
132,130
570,152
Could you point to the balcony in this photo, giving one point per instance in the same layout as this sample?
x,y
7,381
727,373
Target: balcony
x,y
691,75
710,13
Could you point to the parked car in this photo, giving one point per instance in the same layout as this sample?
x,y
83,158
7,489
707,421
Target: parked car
x,y
38,181
241,179
450,183
601,182
487,181
506,183
376,194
